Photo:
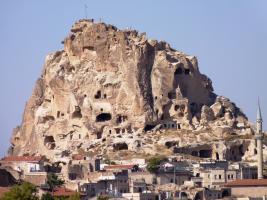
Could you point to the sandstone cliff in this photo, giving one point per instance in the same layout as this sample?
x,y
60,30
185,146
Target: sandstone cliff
x,y
113,90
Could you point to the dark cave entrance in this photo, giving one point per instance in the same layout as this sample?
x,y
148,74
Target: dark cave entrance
x,y
103,117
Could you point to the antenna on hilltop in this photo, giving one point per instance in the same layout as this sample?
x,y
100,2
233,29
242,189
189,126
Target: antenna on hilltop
x,y
85,10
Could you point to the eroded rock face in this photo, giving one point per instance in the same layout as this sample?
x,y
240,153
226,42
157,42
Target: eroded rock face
x,y
109,87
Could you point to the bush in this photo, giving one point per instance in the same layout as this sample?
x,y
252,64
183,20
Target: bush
x,y
25,191
102,198
47,196
53,181
153,163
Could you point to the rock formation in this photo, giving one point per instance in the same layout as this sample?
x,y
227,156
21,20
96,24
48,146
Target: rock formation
x,y
112,90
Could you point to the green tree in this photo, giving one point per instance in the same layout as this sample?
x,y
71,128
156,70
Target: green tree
x,y
25,191
53,181
75,197
47,196
153,163
102,198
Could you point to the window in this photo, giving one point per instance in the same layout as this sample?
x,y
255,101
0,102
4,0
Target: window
x,y
220,176
228,176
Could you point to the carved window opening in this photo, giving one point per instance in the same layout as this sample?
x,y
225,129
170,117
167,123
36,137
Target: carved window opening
x,y
77,113
176,107
120,146
149,127
98,94
178,71
90,48
205,153
217,156
49,142
187,71
58,114
48,118
171,95
121,118
103,117
181,114
98,135
255,151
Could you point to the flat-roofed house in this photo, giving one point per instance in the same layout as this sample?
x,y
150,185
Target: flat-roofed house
x,y
30,168
255,188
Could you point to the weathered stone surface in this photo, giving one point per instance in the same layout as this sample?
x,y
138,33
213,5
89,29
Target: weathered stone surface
x,y
110,90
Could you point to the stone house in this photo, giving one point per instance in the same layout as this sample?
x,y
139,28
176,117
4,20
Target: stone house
x,y
173,172
30,168
256,188
108,183
214,174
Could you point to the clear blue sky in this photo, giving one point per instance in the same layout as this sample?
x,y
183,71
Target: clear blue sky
x,y
228,37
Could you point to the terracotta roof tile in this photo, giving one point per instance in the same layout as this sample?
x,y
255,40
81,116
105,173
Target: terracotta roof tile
x,y
63,192
110,167
247,183
21,158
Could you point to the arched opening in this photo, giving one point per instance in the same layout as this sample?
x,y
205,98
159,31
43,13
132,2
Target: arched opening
x,y
176,107
255,152
178,71
98,135
103,117
170,144
217,156
225,193
77,113
194,153
121,118
49,142
205,153
198,196
187,71
171,95
120,146
180,114
183,195
149,127
58,114
241,150
98,94
182,107
48,118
